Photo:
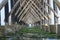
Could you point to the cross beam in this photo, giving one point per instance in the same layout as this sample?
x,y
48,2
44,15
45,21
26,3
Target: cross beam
x,y
3,3
57,3
52,10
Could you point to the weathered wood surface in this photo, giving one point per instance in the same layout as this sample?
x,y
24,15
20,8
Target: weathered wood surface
x,y
3,3
58,3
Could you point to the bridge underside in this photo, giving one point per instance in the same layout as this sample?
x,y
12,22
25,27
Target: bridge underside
x,y
34,12
30,11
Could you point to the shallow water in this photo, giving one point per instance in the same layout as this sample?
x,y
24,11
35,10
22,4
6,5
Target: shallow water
x,y
30,39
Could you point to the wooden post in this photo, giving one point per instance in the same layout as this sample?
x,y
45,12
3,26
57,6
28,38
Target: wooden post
x,y
55,18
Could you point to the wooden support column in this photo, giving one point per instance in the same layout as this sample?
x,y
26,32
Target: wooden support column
x,y
6,13
44,13
49,11
0,18
46,20
10,22
10,16
55,8
55,18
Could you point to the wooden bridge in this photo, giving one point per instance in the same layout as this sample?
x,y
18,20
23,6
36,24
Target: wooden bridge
x,y
35,12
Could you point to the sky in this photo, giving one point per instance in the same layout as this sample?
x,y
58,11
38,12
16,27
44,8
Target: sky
x,y
3,14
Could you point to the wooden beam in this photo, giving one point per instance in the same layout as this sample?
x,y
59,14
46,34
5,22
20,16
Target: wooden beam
x,y
33,19
25,11
42,17
44,9
23,8
39,10
57,3
29,15
13,9
3,3
25,16
34,16
20,7
52,10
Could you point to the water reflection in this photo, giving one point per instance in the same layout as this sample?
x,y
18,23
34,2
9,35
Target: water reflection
x,y
30,39
49,39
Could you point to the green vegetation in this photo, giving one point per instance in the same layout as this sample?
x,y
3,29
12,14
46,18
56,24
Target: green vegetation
x,y
37,31
2,38
33,32
10,34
